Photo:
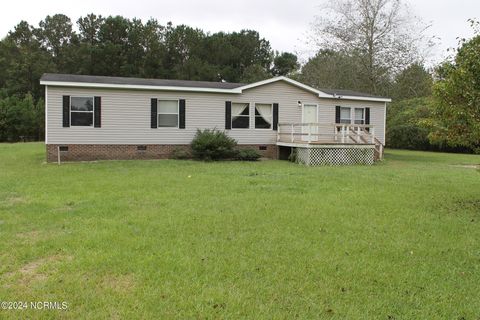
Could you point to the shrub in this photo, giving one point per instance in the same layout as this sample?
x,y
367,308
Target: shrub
x,y
293,156
248,155
181,154
212,144
408,136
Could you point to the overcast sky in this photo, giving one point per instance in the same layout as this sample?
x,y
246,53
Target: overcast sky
x,y
285,23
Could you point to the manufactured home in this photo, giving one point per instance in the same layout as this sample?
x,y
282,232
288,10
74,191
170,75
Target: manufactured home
x,y
97,117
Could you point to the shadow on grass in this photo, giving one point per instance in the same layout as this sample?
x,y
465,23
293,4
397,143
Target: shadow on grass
x,y
431,157
422,156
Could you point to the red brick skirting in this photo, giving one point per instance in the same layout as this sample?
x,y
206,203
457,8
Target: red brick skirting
x,y
89,152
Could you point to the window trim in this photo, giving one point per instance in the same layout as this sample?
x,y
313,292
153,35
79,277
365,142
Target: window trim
x,y
249,116
350,113
255,116
92,112
178,113
363,116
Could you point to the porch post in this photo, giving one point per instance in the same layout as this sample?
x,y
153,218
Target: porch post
x,y
309,132
292,128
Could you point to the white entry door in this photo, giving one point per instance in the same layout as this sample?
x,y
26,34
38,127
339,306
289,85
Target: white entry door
x,y
309,116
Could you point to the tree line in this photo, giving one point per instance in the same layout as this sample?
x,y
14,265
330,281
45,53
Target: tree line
x,y
364,45
379,47
117,46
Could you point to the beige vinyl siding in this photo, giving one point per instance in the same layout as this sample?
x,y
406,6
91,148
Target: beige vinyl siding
x,y
126,114
377,114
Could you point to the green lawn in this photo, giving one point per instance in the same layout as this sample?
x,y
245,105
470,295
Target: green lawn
x,y
271,239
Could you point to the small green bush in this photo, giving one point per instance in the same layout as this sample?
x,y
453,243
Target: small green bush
x,y
247,155
181,154
212,144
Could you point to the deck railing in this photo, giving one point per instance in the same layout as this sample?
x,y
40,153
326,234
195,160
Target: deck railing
x,y
333,133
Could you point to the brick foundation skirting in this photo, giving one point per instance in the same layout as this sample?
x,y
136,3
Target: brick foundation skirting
x,y
90,152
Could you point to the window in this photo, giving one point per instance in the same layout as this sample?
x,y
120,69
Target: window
x,y
81,111
263,116
240,116
168,113
359,116
345,115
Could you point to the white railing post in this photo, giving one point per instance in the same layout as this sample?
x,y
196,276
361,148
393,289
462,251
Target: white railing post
x,y
292,132
309,132
343,133
335,133
372,132
278,132
348,130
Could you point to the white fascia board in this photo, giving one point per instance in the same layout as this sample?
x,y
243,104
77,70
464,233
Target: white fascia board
x,y
320,94
340,97
238,90
137,87
292,82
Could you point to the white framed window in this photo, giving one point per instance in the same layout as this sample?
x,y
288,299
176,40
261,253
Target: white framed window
x,y
240,115
81,111
263,116
345,115
359,116
167,113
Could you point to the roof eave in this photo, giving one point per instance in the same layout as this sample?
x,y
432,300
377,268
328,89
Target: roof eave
x,y
136,87
320,93
238,90
358,98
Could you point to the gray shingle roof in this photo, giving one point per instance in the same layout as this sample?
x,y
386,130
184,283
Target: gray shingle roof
x,y
138,81
174,83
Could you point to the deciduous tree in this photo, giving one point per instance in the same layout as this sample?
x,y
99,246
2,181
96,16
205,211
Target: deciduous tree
x,y
457,93
381,34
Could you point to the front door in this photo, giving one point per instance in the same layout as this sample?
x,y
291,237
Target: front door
x,y
309,116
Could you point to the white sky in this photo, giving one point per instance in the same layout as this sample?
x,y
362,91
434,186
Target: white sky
x,y
285,23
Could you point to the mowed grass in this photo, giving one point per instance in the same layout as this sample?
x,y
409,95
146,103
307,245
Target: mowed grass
x,y
266,240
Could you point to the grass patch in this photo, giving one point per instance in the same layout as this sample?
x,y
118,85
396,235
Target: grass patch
x,y
270,239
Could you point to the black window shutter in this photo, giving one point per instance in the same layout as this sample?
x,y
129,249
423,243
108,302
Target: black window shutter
x,y
66,111
337,114
367,115
275,116
97,121
153,114
181,115
228,115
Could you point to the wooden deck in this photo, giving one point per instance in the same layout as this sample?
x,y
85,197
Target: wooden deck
x,y
341,136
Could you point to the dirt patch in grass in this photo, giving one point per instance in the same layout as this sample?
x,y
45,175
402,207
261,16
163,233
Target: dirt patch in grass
x,y
467,166
13,200
67,207
119,283
32,271
459,206
468,204
34,236
30,236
